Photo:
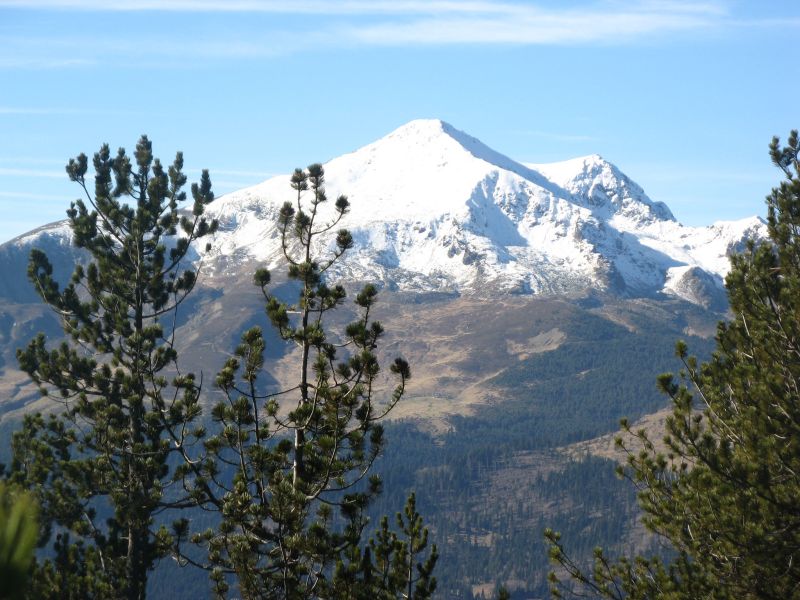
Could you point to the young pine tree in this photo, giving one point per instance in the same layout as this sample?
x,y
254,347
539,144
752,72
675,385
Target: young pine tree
x,y
100,465
289,471
390,566
725,497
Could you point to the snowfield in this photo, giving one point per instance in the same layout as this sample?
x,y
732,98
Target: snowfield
x,y
433,209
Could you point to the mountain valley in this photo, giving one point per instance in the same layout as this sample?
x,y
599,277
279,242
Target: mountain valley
x,y
535,303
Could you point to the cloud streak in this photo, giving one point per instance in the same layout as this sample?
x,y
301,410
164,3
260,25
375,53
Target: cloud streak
x,y
34,173
559,137
300,7
359,23
43,62
530,25
25,110
438,22
235,173
29,196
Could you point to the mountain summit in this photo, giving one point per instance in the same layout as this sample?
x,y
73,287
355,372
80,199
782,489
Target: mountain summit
x,y
434,209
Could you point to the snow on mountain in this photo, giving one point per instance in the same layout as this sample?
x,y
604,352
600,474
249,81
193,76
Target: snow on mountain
x,y
55,239
435,209
685,259
605,190
431,208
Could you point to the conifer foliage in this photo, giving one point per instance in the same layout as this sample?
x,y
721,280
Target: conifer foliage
x,y
725,496
391,566
101,464
289,471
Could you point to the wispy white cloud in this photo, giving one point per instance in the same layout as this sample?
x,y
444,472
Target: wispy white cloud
x,y
71,49
321,7
248,178
43,62
559,137
31,160
13,111
793,22
224,186
25,110
228,180
258,174
677,173
21,167
367,23
36,173
710,6
29,196
531,25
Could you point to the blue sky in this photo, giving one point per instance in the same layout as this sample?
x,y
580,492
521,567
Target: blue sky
x,y
682,96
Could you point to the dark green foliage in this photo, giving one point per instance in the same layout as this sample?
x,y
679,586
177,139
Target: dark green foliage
x,y
18,533
74,571
455,475
289,471
725,495
100,465
580,389
486,532
389,568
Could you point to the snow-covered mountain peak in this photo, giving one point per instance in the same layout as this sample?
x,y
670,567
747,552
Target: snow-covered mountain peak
x,y
609,192
433,208
432,135
428,203
432,166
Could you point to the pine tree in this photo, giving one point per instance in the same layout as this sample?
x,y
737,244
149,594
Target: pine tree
x,y
101,464
389,567
726,495
289,471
